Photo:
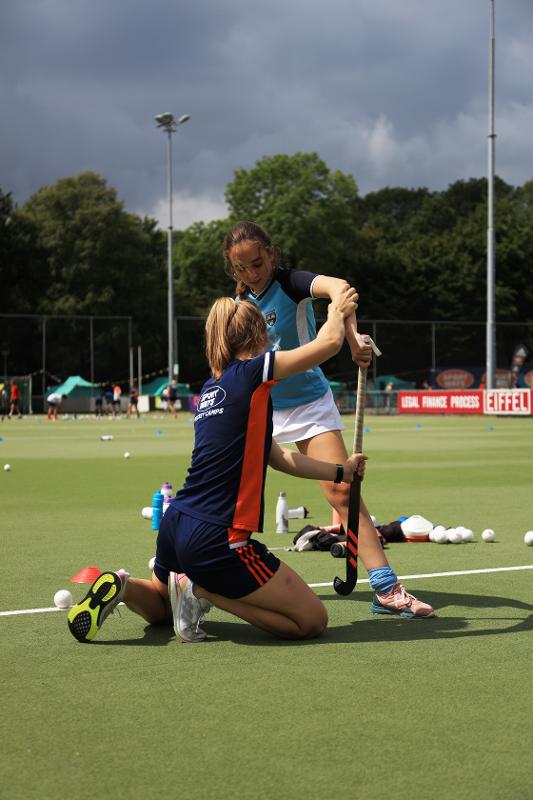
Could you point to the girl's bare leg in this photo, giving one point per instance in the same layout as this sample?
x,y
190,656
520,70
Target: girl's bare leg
x,y
149,599
330,446
285,606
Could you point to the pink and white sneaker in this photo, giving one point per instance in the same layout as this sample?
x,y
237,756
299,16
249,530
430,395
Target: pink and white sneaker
x,y
398,601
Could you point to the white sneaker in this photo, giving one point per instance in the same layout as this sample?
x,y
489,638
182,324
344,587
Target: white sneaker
x,y
187,610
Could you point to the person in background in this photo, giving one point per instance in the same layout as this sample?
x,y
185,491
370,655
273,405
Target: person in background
x,y
108,400
99,406
14,407
133,401
117,394
4,401
54,401
304,408
389,388
172,397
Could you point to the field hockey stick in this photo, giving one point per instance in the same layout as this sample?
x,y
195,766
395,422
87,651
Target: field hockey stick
x,y
345,587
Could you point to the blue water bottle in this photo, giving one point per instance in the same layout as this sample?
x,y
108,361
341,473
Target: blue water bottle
x,y
157,510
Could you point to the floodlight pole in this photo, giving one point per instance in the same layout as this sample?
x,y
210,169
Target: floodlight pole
x,y
170,125
490,369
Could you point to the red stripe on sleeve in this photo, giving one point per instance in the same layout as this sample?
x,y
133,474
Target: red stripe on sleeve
x,y
248,505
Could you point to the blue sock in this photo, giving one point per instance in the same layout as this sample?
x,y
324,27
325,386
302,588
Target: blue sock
x,y
382,579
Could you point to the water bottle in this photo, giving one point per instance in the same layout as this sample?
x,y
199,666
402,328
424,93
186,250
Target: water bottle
x,y
338,549
282,514
157,510
166,490
167,499
298,513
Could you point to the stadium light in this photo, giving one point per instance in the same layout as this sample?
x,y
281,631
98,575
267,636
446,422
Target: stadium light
x,y
169,124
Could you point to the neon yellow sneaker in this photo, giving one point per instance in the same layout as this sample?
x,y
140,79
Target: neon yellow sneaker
x,y
88,616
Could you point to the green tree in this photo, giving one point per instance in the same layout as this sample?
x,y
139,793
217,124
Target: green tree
x,y
19,258
310,211
199,267
99,259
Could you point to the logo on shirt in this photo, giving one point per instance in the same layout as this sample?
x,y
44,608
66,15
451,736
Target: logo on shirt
x,y
270,317
210,399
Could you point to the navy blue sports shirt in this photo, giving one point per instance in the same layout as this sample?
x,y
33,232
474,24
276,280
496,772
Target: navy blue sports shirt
x,y
232,442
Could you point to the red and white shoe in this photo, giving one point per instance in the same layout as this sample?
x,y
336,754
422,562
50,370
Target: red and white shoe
x,y
398,601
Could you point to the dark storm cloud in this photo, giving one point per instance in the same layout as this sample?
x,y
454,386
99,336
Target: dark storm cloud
x,y
394,93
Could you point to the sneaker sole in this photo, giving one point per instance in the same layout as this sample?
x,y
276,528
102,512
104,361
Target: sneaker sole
x,y
87,616
406,613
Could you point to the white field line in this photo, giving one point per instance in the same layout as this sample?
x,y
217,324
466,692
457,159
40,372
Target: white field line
x,y
317,585
29,611
441,574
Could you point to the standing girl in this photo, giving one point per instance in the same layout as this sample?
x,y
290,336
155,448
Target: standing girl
x,y
304,409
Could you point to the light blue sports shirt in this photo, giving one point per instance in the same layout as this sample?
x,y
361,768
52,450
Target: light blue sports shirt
x,y
288,309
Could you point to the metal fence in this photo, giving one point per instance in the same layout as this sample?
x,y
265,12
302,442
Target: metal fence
x,y
377,402
411,349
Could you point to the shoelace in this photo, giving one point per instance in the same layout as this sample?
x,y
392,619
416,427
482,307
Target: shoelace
x,y
201,618
405,597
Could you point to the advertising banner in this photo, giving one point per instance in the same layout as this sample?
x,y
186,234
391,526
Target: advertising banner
x,y
476,401
507,401
473,378
459,402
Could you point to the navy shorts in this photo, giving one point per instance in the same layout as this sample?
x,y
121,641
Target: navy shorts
x,y
202,550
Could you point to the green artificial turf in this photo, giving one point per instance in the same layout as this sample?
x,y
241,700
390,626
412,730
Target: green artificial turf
x,y
377,708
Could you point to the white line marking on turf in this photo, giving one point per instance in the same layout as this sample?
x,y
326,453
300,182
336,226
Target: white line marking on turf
x,y
30,611
440,574
319,585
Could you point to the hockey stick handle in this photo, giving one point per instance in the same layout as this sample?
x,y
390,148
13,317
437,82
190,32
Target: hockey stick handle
x,y
361,399
359,411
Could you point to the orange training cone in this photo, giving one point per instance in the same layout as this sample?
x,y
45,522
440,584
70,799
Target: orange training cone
x,y
86,575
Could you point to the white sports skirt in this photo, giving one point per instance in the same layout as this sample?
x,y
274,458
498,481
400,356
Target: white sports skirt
x,y
306,421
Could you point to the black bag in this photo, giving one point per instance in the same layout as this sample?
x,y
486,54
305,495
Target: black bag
x,y
391,532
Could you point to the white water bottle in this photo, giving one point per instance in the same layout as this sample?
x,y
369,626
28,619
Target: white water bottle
x,y
282,514
298,513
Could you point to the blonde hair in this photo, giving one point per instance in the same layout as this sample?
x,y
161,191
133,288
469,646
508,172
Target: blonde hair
x,y
232,328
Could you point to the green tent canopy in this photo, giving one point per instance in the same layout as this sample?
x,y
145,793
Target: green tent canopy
x,y
336,387
76,386
155,388
398,384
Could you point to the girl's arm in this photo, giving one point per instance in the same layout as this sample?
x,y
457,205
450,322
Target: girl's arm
x,y
327,343
295,463
325,286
